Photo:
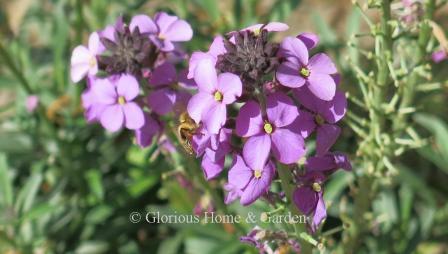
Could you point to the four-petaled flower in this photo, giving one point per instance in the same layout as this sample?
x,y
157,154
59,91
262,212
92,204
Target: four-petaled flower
x,y
271,132
170,29
252,175
298,70
116,95
83,61
209,106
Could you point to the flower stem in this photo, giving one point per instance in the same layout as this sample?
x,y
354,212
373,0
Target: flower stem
x,y
284,172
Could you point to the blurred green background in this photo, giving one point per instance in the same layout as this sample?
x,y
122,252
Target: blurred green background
x,y
69,187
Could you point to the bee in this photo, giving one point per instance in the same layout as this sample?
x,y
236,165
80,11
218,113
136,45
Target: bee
x,y
186,129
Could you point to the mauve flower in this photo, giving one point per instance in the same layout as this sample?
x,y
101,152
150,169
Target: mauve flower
x,y
309,198
215,93
270,27
164,98
299,70
322,117
252,175
439,55
31,103
233,193
329,162
274,133
116,94
215,154
171,29
83,61
146,133
216,48
92,106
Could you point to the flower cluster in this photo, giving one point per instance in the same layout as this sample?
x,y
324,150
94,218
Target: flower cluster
x,y
131,74
257,102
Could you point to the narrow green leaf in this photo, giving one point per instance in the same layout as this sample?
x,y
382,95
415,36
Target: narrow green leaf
x,y
6,193
26,196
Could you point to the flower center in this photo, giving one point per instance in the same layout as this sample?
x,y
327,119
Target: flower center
x,y
268,128
121,100
257,173
92,62
319,120
218,96
305,72
162,37
316,187
256,31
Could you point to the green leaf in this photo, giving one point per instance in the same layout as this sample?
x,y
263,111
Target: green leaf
x,y
92,247
38,212
6,193
210,7
25,198
438,128
171,245
93,178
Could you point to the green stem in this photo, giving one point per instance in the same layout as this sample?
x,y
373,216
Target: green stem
x,y
13,68
284,172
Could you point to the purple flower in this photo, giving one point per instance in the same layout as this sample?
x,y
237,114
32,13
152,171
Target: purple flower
x,y
171,29
274,133
83,61
439,55
252,175
322,117
270,27
144,23
328,163
233,193
31,103
116,95
309,198
299,70
164,98
146,133
213,148
215,93
216,48
92,106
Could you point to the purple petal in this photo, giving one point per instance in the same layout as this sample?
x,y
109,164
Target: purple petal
x,y
230,86
320,213
198,104
304,124
321,163
180,30
327,135
294,51
133,115
288,75
95,44
144,23
164,74
335,109
127,86
309,39
342,161
104,92
205,76
80,63
200,141
308,99
112,118
163,45
145,134
321,63
256,151
195,59
215,117
305,199
186,82
257,187
439,56
217,47
288,147
281,110
212,166
233,193
249,121
276,27
162,100
239,174
322,86
164,21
